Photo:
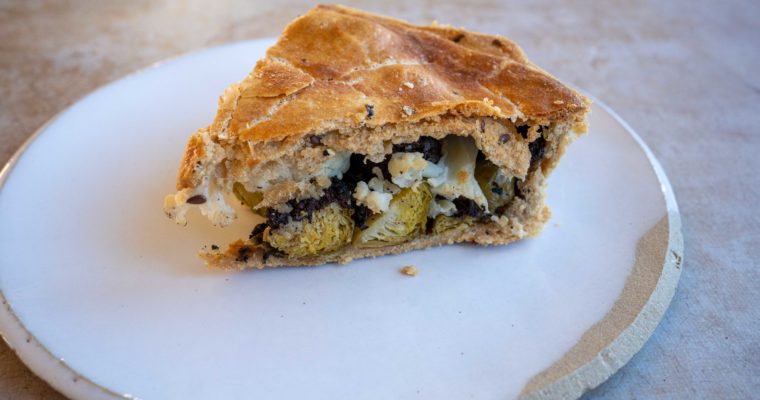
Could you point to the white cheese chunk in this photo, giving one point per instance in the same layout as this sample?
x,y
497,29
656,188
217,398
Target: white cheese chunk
x,y
459,157
213,205
409,168
438,207
337,164
375,195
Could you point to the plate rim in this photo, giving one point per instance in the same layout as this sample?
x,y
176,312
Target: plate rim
x,y
66,380
628,342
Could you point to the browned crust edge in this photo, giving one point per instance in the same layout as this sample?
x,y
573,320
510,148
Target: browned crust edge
x,y
334,61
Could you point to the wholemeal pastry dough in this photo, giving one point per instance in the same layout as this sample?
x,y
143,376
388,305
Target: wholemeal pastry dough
x,y
359,135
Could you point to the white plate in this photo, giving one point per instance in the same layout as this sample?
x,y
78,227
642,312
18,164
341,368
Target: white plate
x,y
104,295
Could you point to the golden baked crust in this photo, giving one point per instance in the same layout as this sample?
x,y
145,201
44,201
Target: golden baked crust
x,y
341,81
334,64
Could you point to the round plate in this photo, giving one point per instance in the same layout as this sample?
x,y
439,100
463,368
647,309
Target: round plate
x,y
104,297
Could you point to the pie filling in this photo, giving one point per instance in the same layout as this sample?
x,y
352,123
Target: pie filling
x,y
427,187
400,192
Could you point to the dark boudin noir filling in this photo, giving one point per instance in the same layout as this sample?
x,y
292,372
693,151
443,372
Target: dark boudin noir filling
x,y
420,188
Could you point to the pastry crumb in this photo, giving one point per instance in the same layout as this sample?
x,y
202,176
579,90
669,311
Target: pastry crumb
x,y
409,270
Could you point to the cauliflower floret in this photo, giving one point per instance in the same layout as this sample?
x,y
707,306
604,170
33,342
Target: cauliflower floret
x,y
451,177
374,195
408,169
441,207
379,184
208,199
336,165
459,157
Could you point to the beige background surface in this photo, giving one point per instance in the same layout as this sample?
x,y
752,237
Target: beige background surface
x,y
683,74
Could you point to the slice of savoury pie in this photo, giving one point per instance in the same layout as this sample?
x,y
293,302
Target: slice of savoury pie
x,y
360,135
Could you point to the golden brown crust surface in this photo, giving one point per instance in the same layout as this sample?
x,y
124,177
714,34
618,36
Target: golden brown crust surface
x,y
334,64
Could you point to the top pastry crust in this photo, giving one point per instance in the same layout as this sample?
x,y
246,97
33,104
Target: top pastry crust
x,y
341,69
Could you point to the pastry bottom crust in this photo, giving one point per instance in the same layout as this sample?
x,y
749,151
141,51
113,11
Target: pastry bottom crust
x,y
491,233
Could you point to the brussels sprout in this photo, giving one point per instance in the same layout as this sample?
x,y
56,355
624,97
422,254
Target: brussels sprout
x,y
443,223
250,199
329,229
405,218
498,188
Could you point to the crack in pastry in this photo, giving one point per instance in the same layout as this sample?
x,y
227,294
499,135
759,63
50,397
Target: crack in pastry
x,y
360,135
